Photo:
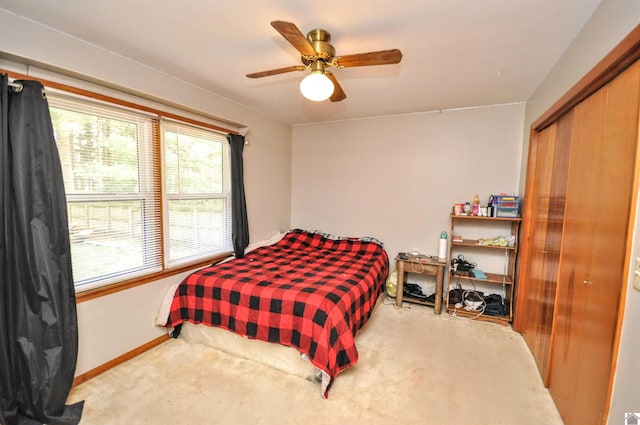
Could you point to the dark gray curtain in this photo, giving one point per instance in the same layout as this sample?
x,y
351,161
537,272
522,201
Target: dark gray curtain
x,y
240,224
38,323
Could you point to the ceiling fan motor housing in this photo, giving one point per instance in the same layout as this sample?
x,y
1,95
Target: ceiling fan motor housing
x,y
320,41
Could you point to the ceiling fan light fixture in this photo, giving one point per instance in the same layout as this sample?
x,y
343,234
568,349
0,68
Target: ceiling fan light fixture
x,y
316,86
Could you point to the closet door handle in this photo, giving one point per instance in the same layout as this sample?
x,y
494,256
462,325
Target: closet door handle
x,y
586,282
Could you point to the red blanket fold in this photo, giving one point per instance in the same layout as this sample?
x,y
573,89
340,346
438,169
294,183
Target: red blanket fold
x,y
308,291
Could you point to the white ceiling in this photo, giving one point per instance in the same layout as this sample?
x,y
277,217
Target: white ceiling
x,y
457,53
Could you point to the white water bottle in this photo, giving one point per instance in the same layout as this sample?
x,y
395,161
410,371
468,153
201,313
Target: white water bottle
x,y
442,247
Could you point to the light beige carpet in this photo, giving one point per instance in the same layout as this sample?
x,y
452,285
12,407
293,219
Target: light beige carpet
x,y
414,368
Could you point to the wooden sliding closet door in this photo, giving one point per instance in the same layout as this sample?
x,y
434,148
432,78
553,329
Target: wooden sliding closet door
x,y
594,247
548,159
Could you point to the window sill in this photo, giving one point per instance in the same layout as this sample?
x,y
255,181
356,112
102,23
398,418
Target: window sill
x,y
132,283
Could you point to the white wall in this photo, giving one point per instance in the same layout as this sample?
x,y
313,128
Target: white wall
x,y
396,178
610,23
113,325
118,323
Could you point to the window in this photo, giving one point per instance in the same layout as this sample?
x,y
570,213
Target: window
x,y
111,162
197,192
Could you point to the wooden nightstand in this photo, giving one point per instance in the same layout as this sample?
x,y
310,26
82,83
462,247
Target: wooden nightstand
x,y
423,265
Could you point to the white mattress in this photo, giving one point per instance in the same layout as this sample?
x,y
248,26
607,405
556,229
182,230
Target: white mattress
x,y
286,359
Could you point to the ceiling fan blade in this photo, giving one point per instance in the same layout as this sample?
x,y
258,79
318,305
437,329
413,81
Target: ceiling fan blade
x,y
277,71
338,93
383,57
294,36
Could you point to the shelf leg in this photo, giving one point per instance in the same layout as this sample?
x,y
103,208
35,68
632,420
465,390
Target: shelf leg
x,y
400,284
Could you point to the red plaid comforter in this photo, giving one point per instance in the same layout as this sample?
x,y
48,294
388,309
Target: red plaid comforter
x,y
308,291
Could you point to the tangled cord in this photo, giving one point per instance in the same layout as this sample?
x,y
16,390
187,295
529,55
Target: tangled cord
x,y
467,301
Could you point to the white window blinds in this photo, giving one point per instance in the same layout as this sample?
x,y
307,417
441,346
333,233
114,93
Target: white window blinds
x,y
111,178
197,192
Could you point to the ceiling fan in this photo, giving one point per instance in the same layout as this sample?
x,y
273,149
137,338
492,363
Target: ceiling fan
x,y
317,54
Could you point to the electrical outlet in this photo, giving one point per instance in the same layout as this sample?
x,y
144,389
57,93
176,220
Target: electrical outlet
x,y
636,278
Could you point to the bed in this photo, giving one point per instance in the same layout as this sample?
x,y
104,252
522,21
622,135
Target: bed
x,y
309,290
